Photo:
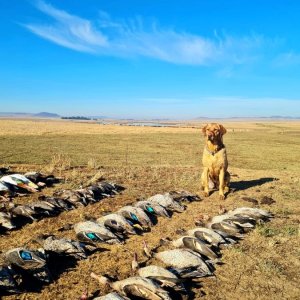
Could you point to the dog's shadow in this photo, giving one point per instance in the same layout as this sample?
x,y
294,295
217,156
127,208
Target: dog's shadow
x,y
246,184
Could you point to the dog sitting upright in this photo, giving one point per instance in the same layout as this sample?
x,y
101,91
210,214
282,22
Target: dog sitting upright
x,y
214,161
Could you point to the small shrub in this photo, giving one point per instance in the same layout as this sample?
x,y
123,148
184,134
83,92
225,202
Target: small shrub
x,y
97,177
271,266
59,162
92,164
267,231
290,230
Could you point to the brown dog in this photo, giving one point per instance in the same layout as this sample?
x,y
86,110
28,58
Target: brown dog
x,y
214,160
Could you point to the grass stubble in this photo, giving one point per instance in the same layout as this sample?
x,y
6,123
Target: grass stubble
x,y
155,160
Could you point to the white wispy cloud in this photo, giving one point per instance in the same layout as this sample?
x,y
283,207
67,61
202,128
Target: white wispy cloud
x,y
131,38
68,31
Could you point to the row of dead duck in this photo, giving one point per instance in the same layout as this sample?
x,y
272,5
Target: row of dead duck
x,y
13,216
22,263
194,256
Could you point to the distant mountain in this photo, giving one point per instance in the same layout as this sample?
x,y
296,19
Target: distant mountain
x,y
46,115
14,114
284,117
43,115
28,115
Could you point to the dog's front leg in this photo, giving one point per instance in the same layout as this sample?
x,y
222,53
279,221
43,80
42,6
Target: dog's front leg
x,y
205,181
221,184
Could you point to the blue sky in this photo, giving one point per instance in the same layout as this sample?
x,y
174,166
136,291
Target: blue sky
x,y
150,59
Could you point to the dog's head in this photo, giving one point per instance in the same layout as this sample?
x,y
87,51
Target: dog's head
x,y
214,132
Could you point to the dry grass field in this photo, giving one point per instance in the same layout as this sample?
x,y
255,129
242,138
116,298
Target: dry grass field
x,y
263,161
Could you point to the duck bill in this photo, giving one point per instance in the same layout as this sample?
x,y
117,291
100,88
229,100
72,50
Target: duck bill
x,y
130,231
8,226
138,226
33,185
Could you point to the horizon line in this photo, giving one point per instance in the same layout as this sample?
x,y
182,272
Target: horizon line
x,y
15,115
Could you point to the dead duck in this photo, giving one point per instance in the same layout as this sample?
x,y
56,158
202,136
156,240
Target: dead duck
x,y
167,202
227,226
110,188
163,276
136,215
8,284
136,286
20,181
44,208
6,221
61,246
60,204
104,189
117,224
111,296
244,222
255,213
184,196
41,179
152,208
229,238
92,232
208,235
195,245
32,262
185,263
25,211
74,197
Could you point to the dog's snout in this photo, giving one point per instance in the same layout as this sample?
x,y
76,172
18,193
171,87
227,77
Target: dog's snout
x,y
210,134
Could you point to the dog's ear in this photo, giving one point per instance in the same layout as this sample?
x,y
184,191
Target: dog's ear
x,y
204,130
222,129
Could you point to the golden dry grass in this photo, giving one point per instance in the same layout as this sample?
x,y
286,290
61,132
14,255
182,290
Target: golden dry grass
x,y
151,160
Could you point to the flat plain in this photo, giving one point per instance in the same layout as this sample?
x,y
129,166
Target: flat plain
x,y
263,161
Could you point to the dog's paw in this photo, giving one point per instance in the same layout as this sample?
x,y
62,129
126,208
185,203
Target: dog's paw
x,y
221,197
